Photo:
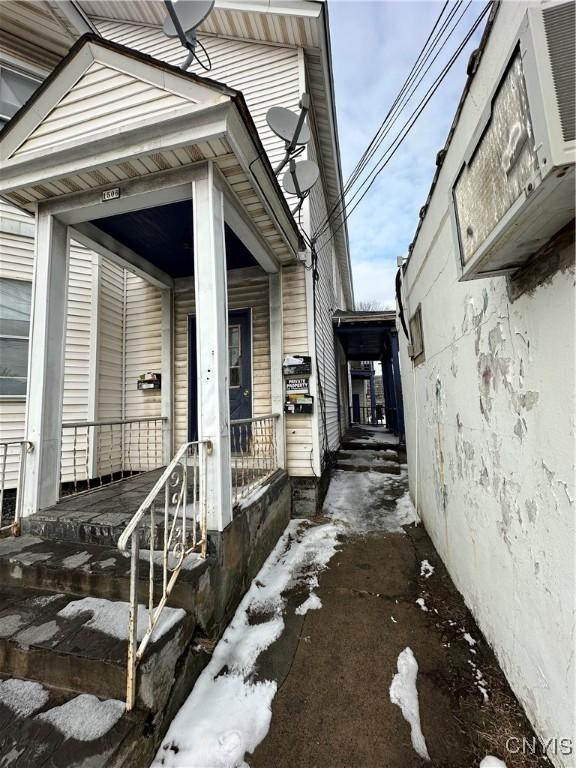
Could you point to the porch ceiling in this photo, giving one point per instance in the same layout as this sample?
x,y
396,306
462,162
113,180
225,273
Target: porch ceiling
x,y
365,335
108,115
164,236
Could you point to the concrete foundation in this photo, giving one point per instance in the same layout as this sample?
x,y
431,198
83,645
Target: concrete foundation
x,y
308,494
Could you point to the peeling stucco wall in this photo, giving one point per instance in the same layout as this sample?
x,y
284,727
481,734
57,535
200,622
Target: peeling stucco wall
x,y
490,414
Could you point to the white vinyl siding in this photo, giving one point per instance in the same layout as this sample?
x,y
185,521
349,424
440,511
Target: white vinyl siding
x,y
253,295
143,353
17,263
103,96
299,439
327,301
267,75
77,359
110,364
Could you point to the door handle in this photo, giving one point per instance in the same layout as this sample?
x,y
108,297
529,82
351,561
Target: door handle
x,y
246,393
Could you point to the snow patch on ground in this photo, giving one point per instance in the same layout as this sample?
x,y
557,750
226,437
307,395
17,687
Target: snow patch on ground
x,y
313,603
422,604
84,718
469,639
76,561
364,502
426,569
10,624
480,681
368,457
228,712
29,558
23,697
35,635
111,618
403,693
405,510
492,762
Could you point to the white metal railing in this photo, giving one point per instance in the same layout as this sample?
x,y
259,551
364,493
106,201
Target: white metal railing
x,y
254,453
181,492
96,453
13,455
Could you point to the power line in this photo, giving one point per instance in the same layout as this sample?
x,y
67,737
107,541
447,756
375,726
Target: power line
x,y
406,128
395,111
368,152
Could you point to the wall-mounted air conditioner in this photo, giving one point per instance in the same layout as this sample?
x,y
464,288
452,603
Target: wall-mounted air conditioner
x,y
515,190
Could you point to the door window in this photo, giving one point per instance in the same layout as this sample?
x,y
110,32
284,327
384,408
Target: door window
x,y
234,355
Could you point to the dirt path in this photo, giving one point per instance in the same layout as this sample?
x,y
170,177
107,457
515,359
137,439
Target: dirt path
x,y
334,666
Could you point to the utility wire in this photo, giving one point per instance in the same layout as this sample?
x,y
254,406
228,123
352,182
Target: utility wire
x,y
416,68
406,128
399,104
389,114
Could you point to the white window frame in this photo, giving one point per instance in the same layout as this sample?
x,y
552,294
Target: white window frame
x,y
15,397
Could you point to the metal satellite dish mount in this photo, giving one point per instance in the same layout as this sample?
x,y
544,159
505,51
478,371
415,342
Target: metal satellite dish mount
x,y
299,180
182,21
291,128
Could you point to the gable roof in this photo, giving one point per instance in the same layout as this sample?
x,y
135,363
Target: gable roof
x,y
108,113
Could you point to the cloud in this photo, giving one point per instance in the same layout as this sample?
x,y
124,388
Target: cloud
x,y
374,280
374,45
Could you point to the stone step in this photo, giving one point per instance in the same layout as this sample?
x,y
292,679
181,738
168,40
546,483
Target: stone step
x,y
386,468
43,726
369,460
80,644
89,569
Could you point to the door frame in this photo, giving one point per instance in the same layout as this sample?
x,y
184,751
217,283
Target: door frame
x,y
192,367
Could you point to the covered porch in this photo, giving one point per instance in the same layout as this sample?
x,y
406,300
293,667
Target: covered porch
x,y
175,188
163,176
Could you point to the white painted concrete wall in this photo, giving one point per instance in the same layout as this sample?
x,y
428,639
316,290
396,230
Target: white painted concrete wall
x,y
490,440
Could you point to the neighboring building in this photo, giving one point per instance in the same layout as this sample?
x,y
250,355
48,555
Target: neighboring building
x,y
488,295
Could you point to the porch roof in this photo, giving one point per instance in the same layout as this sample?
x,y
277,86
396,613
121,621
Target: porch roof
x,y
365,335
108,114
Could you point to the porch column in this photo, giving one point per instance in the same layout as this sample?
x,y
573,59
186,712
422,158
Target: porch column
x,y
397,384
212,343
276,377
166,407
46,363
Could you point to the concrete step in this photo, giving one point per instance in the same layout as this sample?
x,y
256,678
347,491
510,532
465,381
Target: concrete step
x,y
369,460
80,644
89,569
43,726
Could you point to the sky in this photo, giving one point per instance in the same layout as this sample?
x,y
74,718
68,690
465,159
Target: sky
x,y
374,45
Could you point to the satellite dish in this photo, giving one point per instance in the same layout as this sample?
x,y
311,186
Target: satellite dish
x,y
301,177
190,13
284,123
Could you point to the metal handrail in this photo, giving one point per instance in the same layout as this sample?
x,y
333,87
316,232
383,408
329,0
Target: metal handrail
x,y
110,422
235,422
177,543
26,447
107,450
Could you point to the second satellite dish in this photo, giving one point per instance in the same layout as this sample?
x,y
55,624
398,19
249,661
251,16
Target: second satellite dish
x,y
301,177
190,15
284,123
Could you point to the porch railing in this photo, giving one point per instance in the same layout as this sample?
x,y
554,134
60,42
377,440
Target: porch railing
x,y
96,453
366,414
254,453
181,494
13,455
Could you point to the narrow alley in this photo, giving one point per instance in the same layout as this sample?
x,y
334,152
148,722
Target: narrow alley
x,y
343,604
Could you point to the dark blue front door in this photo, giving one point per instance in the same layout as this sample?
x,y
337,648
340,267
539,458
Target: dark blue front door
x,y
239,372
